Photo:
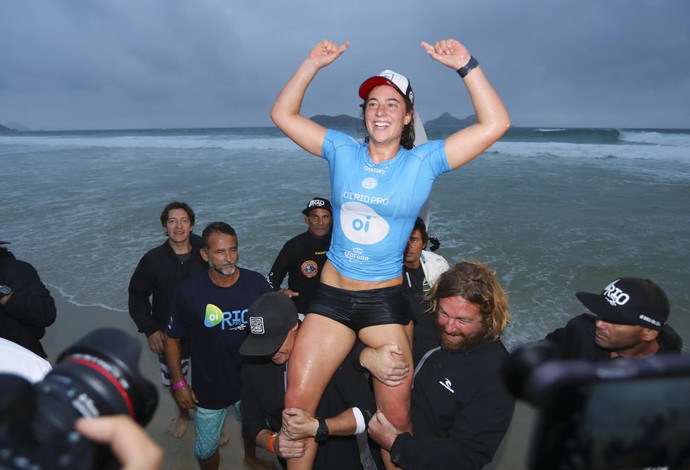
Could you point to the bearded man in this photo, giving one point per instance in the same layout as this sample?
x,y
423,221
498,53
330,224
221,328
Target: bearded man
x,y
461,409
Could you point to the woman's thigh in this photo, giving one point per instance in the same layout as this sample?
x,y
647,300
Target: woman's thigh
x,y
320,347
394,402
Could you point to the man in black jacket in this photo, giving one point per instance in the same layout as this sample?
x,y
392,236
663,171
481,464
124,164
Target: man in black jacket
x,y
629,321
303,256
345,407
26,306
153,284
461,408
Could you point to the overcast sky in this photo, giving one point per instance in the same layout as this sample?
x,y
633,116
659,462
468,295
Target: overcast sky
x,y
107,64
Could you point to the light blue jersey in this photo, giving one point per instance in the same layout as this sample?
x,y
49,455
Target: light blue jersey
x,y
375,205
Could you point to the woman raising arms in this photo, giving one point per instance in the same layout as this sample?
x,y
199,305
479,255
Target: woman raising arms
x,y
378,188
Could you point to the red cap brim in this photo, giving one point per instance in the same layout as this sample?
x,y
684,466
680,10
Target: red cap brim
x,y
375,81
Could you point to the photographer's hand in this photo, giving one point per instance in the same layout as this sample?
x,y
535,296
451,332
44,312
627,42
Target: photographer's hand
x,y
129,442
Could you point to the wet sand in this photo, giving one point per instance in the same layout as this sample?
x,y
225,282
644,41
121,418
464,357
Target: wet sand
x,y
74,322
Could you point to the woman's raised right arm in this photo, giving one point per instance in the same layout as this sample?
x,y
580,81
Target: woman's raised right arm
x,y
286,109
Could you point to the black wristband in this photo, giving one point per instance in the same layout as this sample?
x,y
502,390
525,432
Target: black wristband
x,y
322,431
463,71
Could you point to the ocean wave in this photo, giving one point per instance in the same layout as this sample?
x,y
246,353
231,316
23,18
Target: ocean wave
x,y
160,139
670,138
520,142
582,151
675,138
72,300
559,134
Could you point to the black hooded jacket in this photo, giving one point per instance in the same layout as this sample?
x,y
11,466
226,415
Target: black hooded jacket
x,y
29,309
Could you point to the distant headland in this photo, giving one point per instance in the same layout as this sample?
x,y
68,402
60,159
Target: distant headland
x,y
444,121
341,121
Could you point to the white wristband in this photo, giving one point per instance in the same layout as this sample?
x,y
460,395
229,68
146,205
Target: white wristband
x,y
359,417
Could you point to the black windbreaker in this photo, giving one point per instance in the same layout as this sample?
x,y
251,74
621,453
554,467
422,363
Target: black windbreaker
x,y
154,282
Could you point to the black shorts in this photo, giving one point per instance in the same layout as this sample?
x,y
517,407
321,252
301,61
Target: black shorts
x,y
360,309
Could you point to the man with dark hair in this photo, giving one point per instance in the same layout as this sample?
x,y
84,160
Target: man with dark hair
x,y
461,409
421,267
26,306
303,256
629,320
210,310
153,283
345,408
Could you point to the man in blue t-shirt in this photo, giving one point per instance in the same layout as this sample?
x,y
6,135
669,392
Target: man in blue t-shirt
x,y
210,310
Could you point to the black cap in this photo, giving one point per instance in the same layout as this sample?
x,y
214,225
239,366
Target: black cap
x,y
629,301
318,203
271,317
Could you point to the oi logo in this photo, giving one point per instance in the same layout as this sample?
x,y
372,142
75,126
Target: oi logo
x,y
214,316
362,224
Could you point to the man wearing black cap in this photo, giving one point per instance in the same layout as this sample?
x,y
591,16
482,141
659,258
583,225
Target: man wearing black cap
x,y
26,306
303,256
629,321
347,401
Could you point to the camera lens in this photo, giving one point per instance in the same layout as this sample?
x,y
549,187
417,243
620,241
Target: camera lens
x,y
100,375
97,376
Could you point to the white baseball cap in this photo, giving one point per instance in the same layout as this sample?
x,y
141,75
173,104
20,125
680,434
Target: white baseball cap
x,y
390,78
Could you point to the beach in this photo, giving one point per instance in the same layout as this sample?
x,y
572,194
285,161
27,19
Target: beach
x,y
74,322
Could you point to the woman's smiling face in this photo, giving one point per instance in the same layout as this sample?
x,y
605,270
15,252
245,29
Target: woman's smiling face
x,y
385,114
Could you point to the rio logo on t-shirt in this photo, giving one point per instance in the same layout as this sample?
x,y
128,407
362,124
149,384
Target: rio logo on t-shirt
x,y
235,320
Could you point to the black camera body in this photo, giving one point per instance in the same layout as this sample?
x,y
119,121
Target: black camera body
x,y
97,376
618,414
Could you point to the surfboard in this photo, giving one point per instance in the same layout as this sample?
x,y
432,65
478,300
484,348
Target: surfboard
x,y
419,139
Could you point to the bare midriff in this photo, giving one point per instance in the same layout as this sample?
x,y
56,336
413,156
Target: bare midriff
x,y
331,277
